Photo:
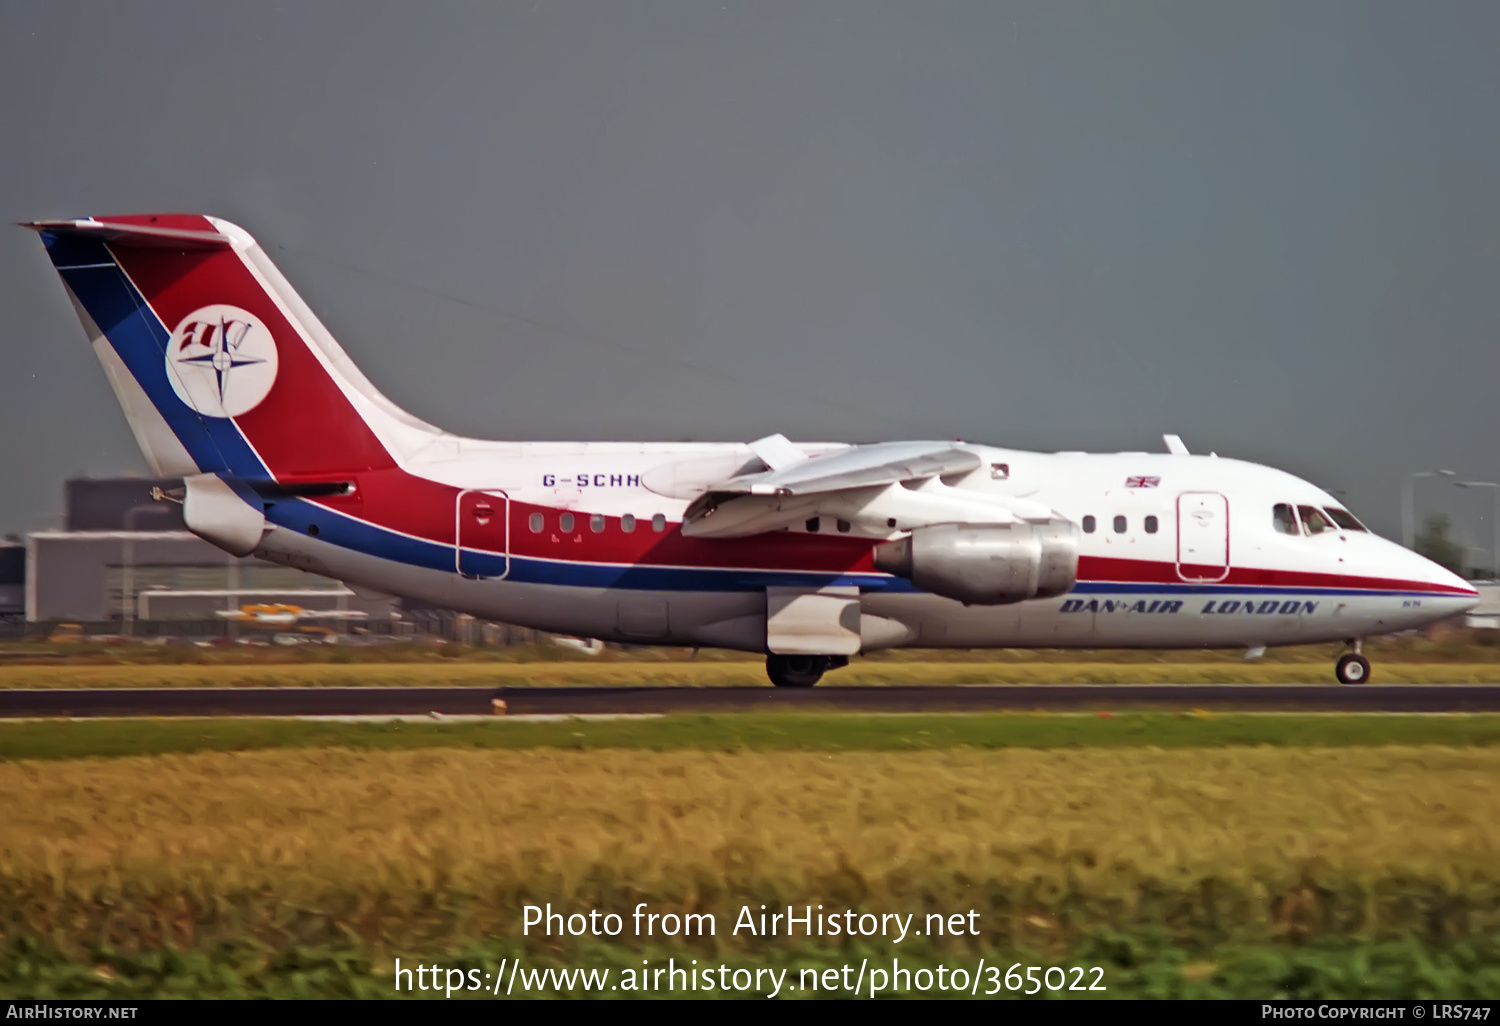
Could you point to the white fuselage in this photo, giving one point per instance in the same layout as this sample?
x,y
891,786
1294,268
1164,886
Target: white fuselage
x,y
1134,588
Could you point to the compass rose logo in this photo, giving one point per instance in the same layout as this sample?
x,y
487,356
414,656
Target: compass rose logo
x,y
221,361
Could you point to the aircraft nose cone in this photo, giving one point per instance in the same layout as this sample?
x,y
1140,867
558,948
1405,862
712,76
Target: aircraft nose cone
x,y
1465,595
1457,594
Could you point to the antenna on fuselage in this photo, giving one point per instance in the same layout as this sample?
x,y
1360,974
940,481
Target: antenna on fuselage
x,y
1174,445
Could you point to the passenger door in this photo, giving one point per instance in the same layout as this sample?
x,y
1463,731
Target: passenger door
x,y
481,533
1202,536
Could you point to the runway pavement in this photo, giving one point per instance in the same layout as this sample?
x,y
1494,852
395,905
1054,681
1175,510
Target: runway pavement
x,y
468,701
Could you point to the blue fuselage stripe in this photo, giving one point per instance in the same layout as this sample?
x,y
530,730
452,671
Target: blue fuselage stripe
x,y
360,536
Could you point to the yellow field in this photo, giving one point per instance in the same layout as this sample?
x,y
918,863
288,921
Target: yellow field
x,y
716,674
1029,838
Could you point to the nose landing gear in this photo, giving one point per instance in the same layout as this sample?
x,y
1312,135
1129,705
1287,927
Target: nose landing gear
x,y
800,671
1352,667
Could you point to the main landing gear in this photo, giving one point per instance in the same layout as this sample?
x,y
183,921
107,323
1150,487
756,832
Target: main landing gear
x,y
1352,667
800,671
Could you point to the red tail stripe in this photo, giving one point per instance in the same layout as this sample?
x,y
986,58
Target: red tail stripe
x,y
306,425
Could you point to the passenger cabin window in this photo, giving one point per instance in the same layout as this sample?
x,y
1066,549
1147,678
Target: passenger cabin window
x,y
1151,525
1284,519
1314,521
1088,525
1119,525
812,526
1344,519
659,523
537,523
596,523
565,523
627,523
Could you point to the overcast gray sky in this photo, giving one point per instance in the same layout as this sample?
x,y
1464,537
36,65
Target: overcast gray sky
x,y
1271,228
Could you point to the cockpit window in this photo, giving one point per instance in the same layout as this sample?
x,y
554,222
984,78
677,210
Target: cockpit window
x,y
1344,519
1314,521
1284,519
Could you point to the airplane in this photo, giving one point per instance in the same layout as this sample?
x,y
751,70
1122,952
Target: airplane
x,y
806,553
281,615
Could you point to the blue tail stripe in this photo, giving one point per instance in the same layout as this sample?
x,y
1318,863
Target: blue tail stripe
x,y
140,340
71,250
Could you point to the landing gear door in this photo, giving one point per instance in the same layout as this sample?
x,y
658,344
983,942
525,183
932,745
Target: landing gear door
x,y
1202,536
481,548
802,621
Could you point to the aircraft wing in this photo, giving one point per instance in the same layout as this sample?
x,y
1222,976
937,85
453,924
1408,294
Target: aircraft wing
x,y
292,617
331,614
259,619
868,490
862,466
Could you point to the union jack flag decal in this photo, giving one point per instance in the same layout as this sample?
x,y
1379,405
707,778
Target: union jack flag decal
x,y
1142,482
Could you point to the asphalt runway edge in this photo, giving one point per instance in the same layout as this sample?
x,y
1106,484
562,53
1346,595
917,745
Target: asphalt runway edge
x,y
70,703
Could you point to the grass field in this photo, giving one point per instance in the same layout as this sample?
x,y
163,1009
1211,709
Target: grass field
x,y
1187,855
830,733
697,828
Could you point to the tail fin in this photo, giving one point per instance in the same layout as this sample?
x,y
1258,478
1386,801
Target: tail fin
x,y
220,366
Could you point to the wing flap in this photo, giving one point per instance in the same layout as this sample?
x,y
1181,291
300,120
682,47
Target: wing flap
x,y
863,466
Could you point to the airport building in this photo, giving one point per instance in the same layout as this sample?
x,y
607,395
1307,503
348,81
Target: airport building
x,y
12,581
125,558
1486,615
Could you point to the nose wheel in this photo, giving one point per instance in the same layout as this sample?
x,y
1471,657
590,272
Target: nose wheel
x,y
1352,668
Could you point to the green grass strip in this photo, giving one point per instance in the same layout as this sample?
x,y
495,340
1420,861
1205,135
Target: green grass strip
x,y
1130,965
56,739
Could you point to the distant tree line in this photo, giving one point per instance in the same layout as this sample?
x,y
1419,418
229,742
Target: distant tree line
x,y
1433,542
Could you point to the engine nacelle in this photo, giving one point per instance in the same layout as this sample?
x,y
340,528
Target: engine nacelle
x,y
987,564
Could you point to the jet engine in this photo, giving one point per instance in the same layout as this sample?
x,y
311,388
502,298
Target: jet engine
x,y
987,564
